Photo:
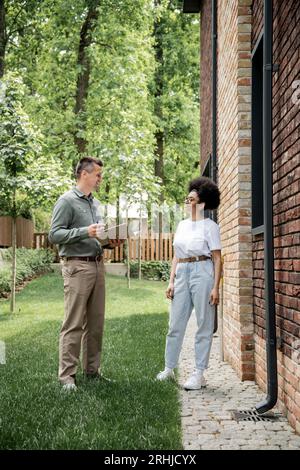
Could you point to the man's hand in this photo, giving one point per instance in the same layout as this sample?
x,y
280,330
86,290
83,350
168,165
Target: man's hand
x,y
92,230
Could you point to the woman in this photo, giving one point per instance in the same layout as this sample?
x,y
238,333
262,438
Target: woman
x,y
194,280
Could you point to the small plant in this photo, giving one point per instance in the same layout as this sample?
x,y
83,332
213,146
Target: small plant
x,y
152,270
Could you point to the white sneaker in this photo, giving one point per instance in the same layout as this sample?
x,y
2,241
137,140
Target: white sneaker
x,y
167,374
69,387
195,381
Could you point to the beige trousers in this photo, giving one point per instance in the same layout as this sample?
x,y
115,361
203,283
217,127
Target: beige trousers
x,y
84,296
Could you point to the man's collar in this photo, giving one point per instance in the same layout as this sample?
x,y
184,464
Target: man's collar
x,y
81,194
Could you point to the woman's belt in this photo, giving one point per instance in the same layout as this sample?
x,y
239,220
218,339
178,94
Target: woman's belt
x,y
192,259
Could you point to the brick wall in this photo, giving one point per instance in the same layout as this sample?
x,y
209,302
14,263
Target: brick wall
x,y
205,82
286,198
257,19
234,164
239,26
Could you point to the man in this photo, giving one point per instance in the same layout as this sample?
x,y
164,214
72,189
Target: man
x,y
74,227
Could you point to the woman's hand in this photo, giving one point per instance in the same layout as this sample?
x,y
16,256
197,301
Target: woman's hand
x,y
170,291
214,297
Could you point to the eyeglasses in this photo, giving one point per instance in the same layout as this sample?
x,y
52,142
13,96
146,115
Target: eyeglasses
x,y
188,200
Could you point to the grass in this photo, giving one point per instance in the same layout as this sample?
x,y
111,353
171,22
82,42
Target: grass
x,y
134,412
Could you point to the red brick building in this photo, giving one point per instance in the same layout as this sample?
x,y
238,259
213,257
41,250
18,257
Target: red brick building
x,y
237,120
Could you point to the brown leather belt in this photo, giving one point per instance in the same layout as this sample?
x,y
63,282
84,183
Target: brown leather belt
x,y
192,259
84,258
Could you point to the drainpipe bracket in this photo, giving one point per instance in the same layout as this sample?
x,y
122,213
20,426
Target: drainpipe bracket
x,y
272,67
268,67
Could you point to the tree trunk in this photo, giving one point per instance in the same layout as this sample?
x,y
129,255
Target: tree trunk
x,y
107,190
159,135
3,39
118,214
140,245
14,266
83,78
128,253
159,161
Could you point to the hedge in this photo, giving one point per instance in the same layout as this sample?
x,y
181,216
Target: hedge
x,y
152,270
29,264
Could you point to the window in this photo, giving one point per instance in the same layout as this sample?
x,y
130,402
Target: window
x,y
257,137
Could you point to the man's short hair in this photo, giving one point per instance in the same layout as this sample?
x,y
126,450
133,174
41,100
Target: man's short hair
x,y
87,164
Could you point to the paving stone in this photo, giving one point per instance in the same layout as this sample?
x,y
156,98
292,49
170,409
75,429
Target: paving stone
x,y
192,446
204,438
206,414
210,447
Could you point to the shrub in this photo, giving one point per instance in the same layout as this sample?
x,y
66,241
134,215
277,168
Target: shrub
x,y
152,270
29,263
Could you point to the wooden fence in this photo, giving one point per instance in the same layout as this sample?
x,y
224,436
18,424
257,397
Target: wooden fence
x,y
25,230
151,249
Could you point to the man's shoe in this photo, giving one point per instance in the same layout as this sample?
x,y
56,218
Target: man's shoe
x,y
97,376
167,374
69,387
195,381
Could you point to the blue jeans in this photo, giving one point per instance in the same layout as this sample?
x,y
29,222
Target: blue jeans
x,y
192,287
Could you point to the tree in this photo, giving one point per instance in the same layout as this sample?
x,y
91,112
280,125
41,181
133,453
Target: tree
x,y
176,98
3,37
118,80
83,78
22,178
88,67
16,18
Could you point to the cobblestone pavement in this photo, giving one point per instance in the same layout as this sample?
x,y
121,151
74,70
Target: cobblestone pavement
x,y
207,421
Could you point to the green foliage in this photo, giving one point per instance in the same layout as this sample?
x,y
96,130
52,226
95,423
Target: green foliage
x,y
118,115
42,219
176,96
27,178
120,118
152,270
30,263
23,211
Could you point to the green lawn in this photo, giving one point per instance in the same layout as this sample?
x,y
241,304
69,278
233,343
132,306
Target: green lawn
x,y
134,412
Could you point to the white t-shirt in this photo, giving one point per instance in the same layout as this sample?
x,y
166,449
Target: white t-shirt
x,y
195,238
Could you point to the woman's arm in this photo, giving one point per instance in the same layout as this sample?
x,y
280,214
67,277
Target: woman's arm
x,y
214,296
173,270
170,289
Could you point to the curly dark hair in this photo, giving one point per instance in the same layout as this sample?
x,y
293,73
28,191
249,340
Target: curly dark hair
x,y
207,191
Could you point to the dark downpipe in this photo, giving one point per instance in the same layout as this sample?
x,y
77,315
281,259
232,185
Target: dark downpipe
x,y
214,110
272,379
214,87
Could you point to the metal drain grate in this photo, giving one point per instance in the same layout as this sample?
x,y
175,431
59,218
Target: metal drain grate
x,y
253,415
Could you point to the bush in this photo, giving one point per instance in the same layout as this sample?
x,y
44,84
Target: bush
x,y
152,270
29,264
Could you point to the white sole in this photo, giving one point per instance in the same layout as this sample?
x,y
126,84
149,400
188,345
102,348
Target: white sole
x,y
195,388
